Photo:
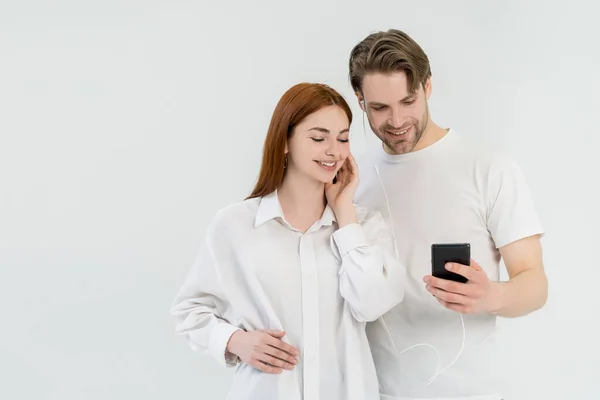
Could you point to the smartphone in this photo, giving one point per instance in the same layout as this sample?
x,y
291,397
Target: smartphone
x,y
442,253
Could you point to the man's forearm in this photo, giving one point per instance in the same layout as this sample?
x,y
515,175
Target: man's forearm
x,y
523,294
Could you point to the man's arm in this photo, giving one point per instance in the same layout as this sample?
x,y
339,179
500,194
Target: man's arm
x,y
527,288
526,291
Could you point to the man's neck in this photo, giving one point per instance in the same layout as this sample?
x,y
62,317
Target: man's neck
x,y
431,135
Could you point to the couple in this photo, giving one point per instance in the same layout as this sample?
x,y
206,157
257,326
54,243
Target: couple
x,y
313,297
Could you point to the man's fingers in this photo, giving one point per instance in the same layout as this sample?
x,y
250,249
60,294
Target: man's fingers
x,y
460,308
450,286
460,269
476,265
472,272
265,368
448,296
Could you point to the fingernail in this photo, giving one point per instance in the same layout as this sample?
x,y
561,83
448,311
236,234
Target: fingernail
x,y
449,267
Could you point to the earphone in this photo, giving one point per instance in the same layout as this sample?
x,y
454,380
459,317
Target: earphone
x,y
462,321
382,319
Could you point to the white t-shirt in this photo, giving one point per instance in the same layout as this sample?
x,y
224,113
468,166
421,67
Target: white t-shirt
x,y
453,191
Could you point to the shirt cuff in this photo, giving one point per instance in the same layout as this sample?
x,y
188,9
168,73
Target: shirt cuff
x,y
219,338
349,238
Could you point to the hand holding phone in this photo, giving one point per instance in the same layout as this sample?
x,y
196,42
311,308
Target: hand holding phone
x,y
455,291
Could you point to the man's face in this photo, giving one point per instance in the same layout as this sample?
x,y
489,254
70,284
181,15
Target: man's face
x,y
397,116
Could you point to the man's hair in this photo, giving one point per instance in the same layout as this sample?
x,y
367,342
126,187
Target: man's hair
x,y
389,52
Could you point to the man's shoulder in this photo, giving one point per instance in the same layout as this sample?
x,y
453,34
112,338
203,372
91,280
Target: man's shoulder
x,y
485,156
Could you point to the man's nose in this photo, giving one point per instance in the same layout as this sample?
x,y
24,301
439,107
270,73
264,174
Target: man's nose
x,y
396,121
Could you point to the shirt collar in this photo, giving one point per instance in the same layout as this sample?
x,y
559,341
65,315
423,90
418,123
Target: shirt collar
x,y
270,208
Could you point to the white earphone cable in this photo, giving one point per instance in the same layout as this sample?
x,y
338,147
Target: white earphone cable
x,y
462,346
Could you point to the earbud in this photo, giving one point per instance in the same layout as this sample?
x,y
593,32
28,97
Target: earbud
x,y
362,105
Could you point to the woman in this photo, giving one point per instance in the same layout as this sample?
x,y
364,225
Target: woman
x,y
288,278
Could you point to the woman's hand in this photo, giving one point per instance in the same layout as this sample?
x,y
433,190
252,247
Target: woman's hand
x,y
263,350
340,195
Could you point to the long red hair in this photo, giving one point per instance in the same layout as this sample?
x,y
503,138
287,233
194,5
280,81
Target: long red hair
x,y
295,105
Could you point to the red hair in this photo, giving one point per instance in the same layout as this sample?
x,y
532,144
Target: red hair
x,y
295,105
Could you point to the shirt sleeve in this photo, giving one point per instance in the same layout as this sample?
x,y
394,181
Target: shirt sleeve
x,y
371,278
511,213
198,309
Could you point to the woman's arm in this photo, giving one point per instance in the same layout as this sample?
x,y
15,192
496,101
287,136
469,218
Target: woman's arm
x,y
197,309
371,277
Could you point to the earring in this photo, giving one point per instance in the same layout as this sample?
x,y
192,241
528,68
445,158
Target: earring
x,y
285,161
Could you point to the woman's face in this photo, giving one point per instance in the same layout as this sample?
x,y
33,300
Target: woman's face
x,y
319,145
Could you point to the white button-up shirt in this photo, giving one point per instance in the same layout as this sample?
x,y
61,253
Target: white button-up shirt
x,y
256,271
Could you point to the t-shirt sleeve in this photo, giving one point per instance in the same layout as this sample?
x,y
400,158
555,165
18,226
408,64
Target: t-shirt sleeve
x,y
511,213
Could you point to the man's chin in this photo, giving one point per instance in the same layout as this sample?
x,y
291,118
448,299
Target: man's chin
x,y
398,148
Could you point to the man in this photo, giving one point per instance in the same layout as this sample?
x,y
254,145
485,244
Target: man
x,y
437,186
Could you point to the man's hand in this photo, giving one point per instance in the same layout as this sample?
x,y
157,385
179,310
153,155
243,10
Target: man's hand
x,y
477,295
263,350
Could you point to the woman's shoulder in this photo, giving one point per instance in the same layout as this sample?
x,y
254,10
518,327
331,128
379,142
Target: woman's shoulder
x,y
236,215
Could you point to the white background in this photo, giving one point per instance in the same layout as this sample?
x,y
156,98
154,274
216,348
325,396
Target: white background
x,y
125,125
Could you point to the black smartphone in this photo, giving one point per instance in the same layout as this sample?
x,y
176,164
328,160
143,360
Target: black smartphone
x,y
442,253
